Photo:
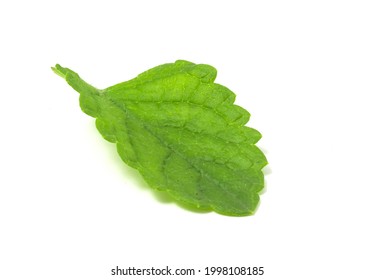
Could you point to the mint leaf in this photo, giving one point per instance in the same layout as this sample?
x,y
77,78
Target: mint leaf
x,y
183,134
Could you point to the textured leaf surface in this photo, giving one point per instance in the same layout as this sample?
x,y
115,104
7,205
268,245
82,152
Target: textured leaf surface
x,y
182,132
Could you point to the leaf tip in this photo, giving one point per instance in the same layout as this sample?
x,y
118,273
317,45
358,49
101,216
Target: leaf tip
x,y
59,70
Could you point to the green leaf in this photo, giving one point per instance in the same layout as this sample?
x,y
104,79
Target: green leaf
x,y
183,134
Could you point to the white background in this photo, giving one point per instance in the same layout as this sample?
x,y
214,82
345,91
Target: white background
x,y
70,209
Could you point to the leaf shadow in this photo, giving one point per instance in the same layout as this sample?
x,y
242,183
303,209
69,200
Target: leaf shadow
x,y
267,171
166,198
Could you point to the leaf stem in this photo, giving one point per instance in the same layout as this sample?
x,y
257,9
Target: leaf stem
x,y
75,81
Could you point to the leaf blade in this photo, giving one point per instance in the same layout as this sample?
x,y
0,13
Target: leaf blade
x,y
183,133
